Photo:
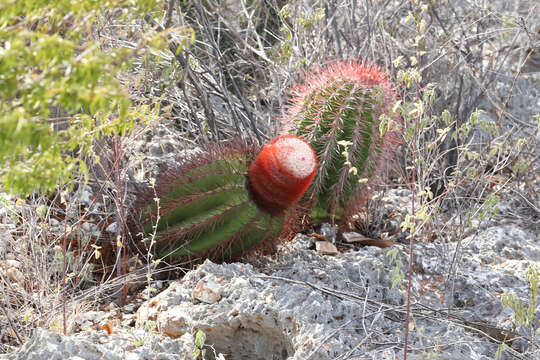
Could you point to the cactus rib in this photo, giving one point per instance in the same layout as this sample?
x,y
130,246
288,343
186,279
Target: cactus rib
x,y
343,103
223,203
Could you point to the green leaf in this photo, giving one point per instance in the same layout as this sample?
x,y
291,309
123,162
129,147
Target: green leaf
x,y
60,90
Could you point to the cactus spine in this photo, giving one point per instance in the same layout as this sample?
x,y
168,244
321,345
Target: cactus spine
x,y
209,208
342,105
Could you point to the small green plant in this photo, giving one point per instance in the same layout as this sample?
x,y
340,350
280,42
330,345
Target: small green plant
x,y
224,203
397,272
348,104
524,313
500,349
198,348
149,328
150,325
293,29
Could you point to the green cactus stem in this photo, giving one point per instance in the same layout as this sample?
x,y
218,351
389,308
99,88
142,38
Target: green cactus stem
x,y
338,109
208,206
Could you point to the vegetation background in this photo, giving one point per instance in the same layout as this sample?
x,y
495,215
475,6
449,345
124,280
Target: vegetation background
x,y
97,96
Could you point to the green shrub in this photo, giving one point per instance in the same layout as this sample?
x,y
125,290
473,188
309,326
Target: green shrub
x,y
59,87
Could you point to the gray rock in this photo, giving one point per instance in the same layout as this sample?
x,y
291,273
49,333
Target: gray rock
x,y
207,291
325,248
155,149
500,244
329,232
522,98
5,239
318,307
303,305
112,228
48,345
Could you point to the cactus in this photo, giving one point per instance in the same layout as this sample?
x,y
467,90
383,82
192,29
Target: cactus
x,y
222,204
338,109
281,173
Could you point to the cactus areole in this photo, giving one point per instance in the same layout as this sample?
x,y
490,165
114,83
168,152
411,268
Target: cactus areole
x,y
281,173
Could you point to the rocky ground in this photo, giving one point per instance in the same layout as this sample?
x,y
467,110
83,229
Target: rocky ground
x,y
302,304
